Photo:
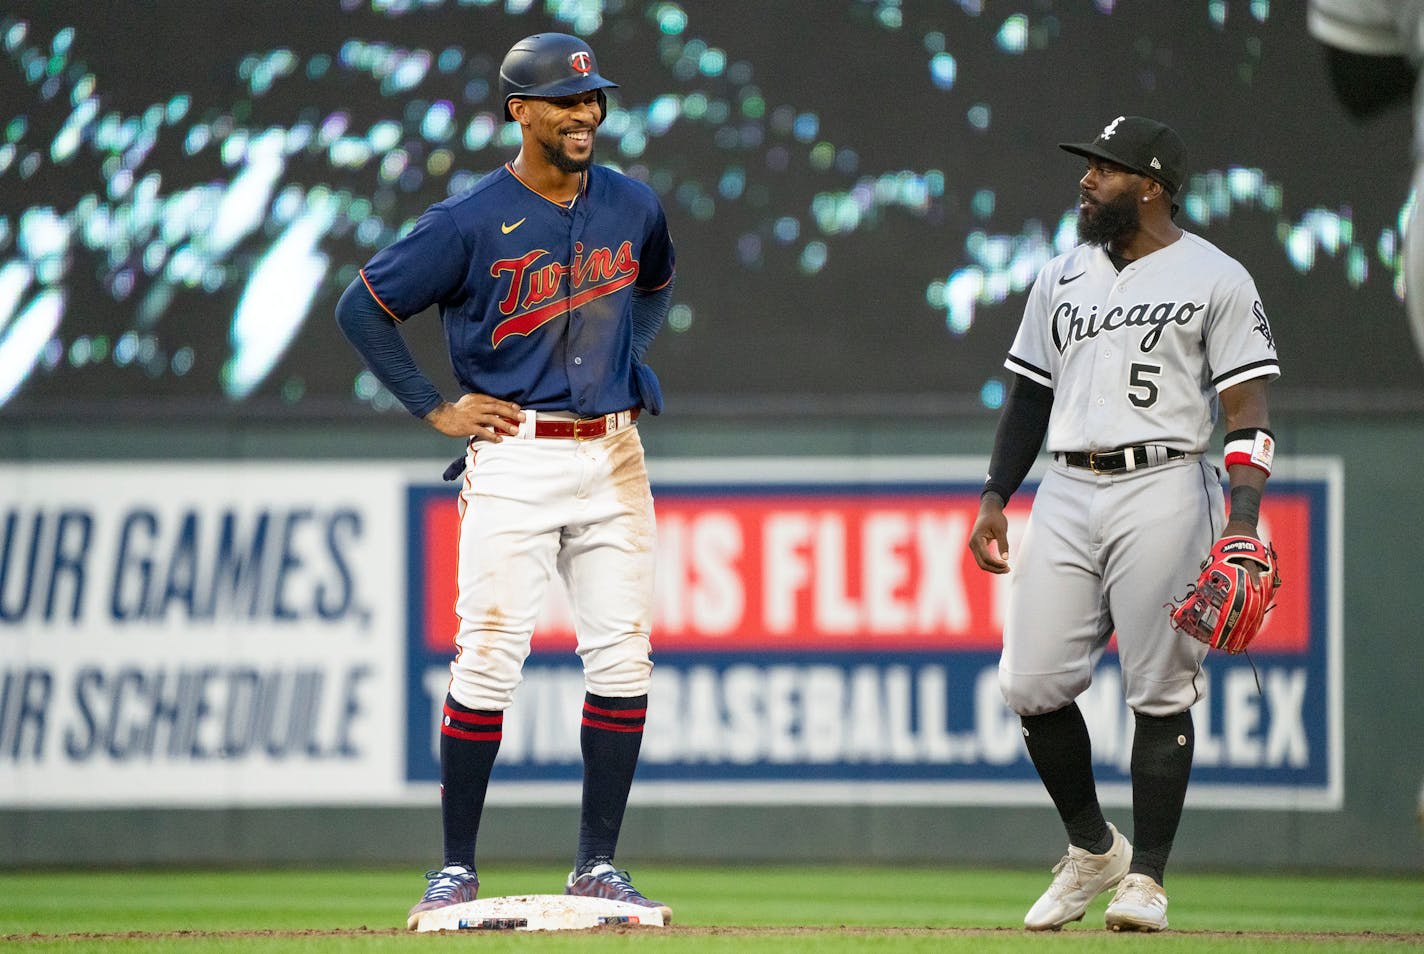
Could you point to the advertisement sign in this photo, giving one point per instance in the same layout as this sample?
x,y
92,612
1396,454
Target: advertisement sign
x,y
823,634
199,634
280,634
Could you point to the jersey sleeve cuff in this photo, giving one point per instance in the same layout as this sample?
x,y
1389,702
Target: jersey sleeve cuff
x,y
1270,369
657,288
365,281
1035,374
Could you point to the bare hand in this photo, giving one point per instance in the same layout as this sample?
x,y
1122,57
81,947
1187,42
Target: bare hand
x,y
989,538
477,415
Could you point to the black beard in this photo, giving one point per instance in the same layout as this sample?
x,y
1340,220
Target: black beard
x,y
1109,223
563,161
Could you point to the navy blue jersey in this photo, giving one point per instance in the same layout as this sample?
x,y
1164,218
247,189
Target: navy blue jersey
x,y
536,297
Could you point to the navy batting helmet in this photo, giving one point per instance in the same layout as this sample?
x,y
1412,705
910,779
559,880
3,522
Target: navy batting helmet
x,y
549,65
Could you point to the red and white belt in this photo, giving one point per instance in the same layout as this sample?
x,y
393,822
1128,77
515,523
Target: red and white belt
x,y
582,428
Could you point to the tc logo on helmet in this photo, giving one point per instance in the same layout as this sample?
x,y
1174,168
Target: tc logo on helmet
x,y
581,61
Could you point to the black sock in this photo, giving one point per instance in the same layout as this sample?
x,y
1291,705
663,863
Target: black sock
x,y
469,741
1161,765
1062,753
611,736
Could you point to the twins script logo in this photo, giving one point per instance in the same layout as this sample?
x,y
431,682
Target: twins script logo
x,y
534,297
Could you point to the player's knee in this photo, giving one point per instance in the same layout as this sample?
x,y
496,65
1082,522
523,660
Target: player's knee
x,y
1159,707
1035,694
479,690
1161,699
619,678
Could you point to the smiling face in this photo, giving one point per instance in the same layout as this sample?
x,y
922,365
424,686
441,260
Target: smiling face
x,y
563,127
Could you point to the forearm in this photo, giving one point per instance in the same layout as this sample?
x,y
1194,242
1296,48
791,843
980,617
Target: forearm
x,y
650,310
375,336
1249,452
1247,488
1022,426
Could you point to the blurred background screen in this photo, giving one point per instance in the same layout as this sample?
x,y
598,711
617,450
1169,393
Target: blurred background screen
x,y
861,191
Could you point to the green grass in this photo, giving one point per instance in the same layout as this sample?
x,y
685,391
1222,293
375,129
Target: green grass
x,y
733,909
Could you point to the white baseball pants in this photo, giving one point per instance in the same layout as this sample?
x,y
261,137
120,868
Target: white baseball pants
x,y
534,506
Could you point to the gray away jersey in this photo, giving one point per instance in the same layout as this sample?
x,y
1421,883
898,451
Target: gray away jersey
x,y
1139,357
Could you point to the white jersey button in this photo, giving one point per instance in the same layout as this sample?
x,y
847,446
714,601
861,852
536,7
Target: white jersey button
x,y
578,360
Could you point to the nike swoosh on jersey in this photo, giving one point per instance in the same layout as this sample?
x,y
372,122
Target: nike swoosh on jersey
x,y
506,229
1063,280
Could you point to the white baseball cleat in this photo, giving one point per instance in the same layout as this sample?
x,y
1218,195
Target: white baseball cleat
x,y
1139,905
1079,878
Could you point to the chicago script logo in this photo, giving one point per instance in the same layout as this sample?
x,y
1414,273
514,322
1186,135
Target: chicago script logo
x,y
1070,325
506,229
537,292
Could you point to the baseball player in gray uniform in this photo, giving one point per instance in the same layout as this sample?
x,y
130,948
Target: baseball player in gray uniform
x,y
1129,344
1375,50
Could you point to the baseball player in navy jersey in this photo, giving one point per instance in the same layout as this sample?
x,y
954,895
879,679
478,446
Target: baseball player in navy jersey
x,y
552,276
1128,346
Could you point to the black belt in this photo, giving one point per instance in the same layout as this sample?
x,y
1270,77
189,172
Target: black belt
x,y
1122,460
